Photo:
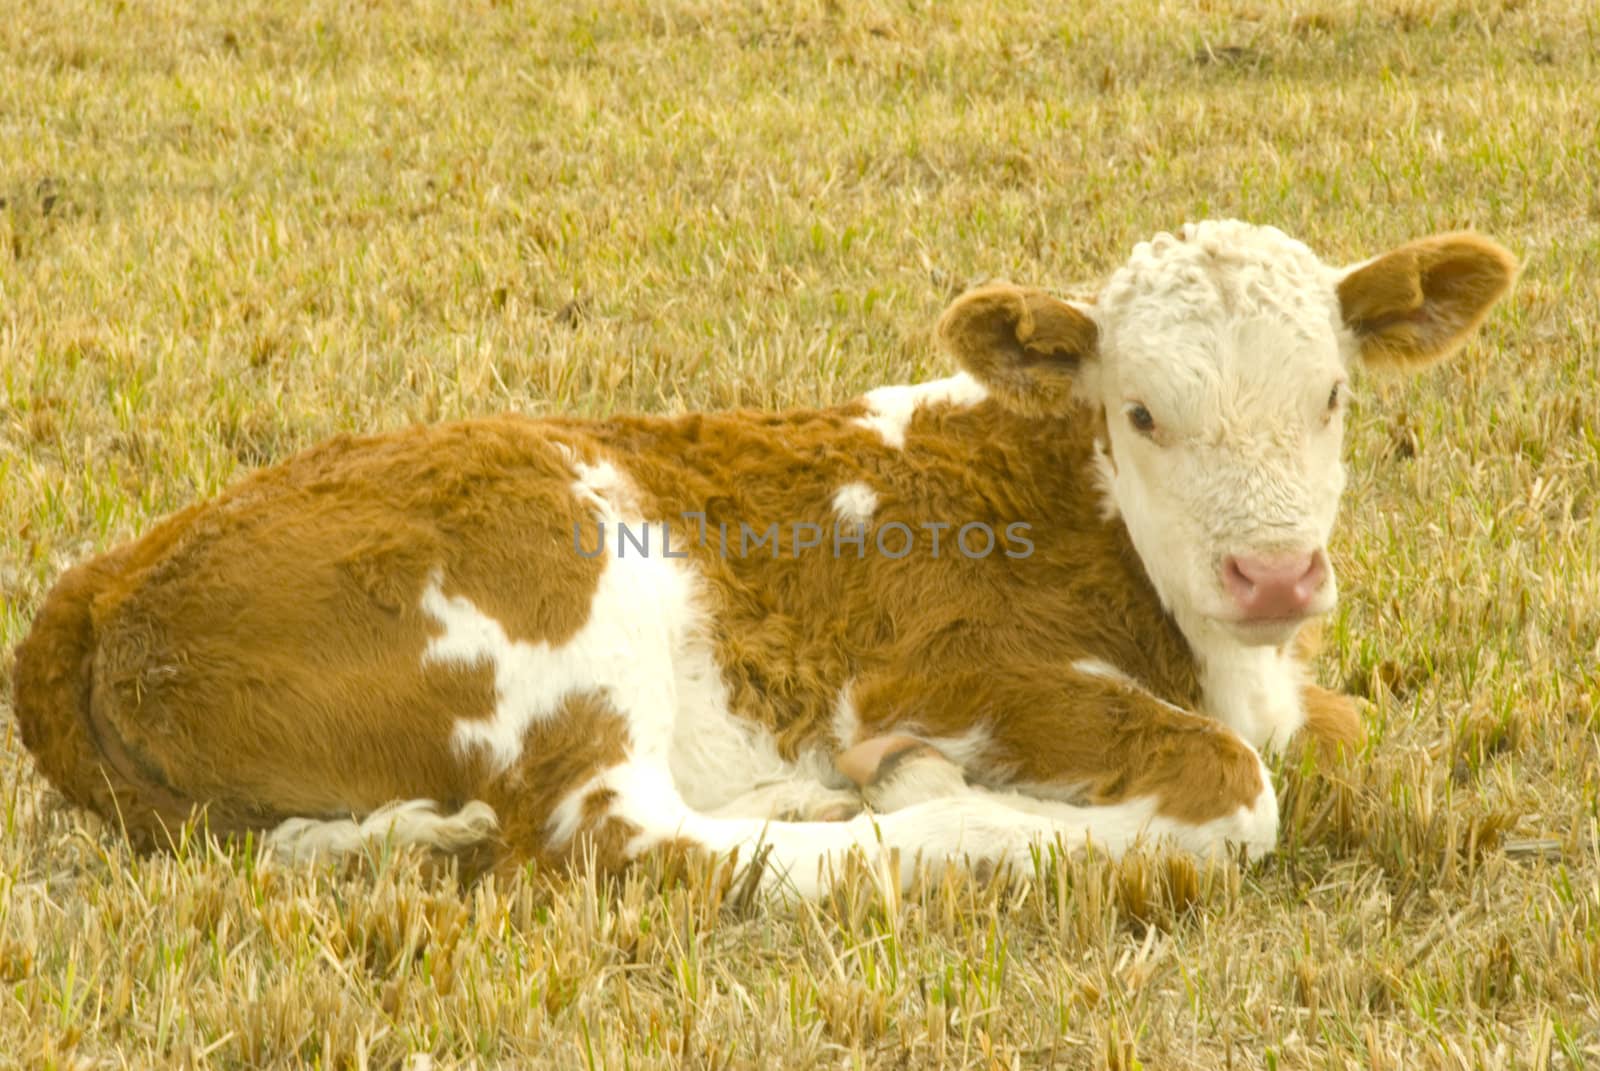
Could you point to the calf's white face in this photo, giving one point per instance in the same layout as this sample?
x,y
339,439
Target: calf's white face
x,y
1222,372
1220,358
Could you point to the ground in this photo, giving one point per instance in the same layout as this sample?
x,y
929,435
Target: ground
x,y
230,230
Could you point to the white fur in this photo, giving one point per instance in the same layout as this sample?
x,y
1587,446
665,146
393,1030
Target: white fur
x,y
1094,667
802,856
1103,474
645,646
1230,335
855,503
405,822
1118,827
1113,828
915,779
966,749
846,720
1255,691
727,765
566,817
624,649
640,615
891,408
797,798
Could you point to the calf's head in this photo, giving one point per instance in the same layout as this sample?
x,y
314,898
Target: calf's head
x,y
1219,358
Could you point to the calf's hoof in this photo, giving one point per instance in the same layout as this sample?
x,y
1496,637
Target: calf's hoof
x,y
897,771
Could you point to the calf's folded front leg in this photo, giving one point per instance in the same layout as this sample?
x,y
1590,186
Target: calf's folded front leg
x,y
1073,747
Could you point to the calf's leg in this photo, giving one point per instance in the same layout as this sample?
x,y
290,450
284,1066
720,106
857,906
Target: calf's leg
x,y
1085,750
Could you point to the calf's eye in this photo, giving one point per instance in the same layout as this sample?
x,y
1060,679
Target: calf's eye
x,y
1339,397
1141,419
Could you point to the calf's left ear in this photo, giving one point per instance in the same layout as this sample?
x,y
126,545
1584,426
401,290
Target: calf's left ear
x,y
1029,349
1417,304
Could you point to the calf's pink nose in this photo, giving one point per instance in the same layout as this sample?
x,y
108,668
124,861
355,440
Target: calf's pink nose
x,y
1274,587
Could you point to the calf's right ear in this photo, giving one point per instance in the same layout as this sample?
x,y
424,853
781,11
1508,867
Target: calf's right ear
x,y
1030,350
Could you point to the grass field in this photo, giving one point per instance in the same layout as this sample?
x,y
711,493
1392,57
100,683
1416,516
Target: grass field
x,y
230,230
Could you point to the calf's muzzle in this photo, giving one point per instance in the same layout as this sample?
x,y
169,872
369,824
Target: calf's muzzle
x,y
1274,587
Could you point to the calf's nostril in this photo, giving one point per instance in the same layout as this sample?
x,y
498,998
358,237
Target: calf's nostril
x,y
1316,572
1235,576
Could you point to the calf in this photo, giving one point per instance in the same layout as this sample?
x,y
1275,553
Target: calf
x,y
1053,598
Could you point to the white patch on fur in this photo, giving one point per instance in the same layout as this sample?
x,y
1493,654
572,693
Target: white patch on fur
x,y
604,489
798,798
726,764
646,646
846,721
891,408
1094,667
1103,477
1255,691
405,822
801,857
621,649
855,503
639,615
967,750
566,817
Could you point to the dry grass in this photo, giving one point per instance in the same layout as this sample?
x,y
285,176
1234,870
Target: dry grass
x,y
231,230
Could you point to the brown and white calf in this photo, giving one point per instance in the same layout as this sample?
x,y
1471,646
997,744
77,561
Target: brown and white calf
x,y
1068,613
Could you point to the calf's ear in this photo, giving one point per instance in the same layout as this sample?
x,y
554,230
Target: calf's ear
x,y
1417,304
1029,349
